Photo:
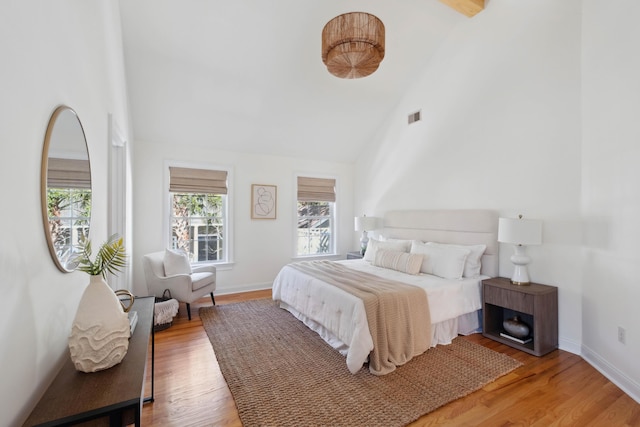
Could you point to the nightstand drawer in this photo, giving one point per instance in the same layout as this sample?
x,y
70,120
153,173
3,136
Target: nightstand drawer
x,y
513,299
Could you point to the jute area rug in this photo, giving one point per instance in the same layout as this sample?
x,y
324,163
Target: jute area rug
x,y
281,373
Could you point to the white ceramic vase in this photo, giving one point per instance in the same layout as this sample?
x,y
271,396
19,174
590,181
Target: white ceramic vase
x,y
100,332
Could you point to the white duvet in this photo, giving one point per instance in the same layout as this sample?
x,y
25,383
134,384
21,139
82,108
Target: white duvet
x,y
340,318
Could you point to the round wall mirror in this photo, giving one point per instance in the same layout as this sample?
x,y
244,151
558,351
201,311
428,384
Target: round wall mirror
x,y
65,187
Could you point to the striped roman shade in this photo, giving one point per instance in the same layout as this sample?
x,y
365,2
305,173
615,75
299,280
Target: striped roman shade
x,y
68,173
201,181
316,189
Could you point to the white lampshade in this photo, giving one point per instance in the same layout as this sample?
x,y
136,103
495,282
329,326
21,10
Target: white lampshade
x,y
520,231
366,223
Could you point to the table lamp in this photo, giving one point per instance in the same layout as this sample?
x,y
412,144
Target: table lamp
x,y
521,233
366,223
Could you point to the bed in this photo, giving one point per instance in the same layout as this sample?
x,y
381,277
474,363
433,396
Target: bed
x,y
452,303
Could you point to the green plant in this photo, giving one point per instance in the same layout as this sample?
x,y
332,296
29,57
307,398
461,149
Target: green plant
x,y
111,257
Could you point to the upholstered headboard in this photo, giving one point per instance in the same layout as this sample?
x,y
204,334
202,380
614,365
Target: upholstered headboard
x,y
458,226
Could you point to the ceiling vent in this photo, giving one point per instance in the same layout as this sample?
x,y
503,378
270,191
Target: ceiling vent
x,y
415,117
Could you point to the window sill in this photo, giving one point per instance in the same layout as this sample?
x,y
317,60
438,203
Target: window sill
x,y
220,266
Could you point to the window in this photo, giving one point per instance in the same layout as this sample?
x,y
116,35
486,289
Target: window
x,y
68,206
68,210
315,232
198,213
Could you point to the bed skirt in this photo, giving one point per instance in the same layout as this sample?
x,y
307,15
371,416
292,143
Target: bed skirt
x,y
442,333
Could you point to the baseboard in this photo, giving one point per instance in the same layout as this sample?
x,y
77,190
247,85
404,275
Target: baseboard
x,y
627,385
243,288
570,346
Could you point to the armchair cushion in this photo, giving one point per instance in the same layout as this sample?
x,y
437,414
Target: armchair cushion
x,y
176,262
199,280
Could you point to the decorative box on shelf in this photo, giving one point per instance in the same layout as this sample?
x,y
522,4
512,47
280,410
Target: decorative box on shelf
x,y
535,305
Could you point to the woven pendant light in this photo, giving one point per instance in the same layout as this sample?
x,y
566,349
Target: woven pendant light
x,y
353,45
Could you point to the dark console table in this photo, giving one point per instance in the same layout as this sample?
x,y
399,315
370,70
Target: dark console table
x,y
112,397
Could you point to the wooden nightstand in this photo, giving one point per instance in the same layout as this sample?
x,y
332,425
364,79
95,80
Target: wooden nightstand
x,y
354,255
537,306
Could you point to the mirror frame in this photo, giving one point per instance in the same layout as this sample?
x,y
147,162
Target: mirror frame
x,y
44,177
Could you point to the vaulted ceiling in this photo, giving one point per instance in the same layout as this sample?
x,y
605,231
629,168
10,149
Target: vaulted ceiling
x,y
247,75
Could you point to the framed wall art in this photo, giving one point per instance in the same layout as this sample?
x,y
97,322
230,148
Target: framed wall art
x,y
263,201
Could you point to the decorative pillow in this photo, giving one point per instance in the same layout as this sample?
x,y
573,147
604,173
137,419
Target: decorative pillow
x,y
375,244
406,243
442,261
399,261
176,262
473,264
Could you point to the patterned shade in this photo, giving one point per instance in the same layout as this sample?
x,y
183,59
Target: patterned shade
x,y
353,45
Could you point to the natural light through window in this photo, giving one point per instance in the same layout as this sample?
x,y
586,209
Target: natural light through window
x,y
315,231
197,220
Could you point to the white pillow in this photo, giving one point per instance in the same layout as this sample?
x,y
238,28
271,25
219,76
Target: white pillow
x,y
442,261
374,245
473,264
399,261
176,262
406,243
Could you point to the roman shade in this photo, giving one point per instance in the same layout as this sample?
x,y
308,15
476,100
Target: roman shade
x,y
316,189
68,173
187,180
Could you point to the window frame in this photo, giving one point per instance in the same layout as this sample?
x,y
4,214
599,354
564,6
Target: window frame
x,y
227,211
333,218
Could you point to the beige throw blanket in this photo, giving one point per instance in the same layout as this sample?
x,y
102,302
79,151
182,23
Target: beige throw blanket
x,y
397,313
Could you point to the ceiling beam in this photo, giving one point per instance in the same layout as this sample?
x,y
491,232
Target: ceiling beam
x,y
466,7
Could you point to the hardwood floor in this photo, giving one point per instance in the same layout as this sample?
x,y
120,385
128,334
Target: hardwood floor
x,y
559,389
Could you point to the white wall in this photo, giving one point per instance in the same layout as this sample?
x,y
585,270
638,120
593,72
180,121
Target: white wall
x,y
64,52
260,247
501,103
503,129
611,188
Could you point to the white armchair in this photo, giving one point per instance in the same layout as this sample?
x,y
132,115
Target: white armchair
x,y
184,287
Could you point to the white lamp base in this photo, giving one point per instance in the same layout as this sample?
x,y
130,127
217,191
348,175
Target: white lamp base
x,y
520,261
364,241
